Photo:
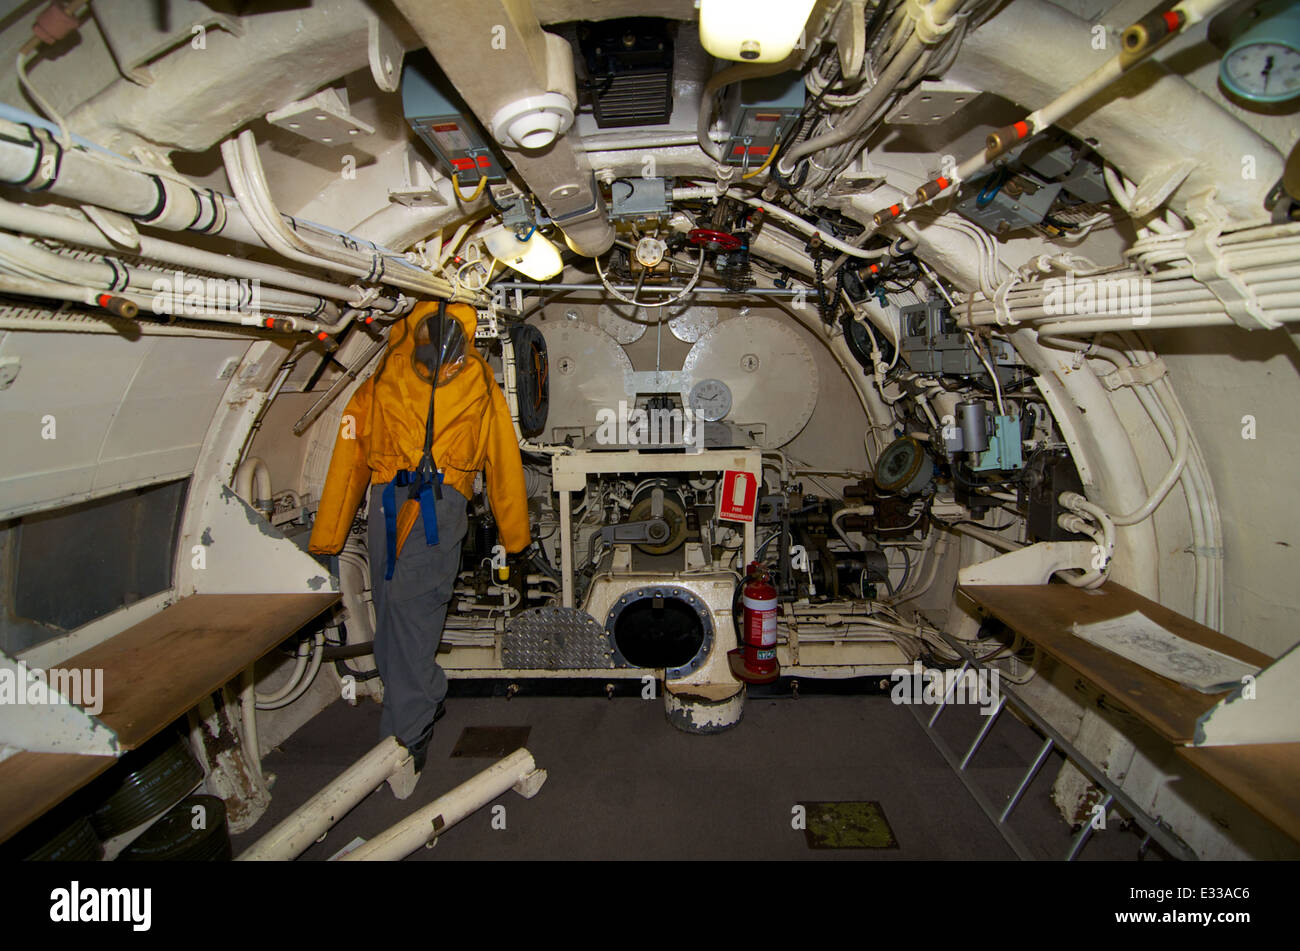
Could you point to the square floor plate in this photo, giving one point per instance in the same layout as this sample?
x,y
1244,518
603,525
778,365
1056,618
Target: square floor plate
x,y
847,825
491,741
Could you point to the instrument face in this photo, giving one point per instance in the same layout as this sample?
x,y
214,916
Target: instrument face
x,y
711,399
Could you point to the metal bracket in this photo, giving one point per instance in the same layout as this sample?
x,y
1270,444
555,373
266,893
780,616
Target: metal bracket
x,y
1033,565
418,189
1158,186
385,52
325,118
1211,268
1141,375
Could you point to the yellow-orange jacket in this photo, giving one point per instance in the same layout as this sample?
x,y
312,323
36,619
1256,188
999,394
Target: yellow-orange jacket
x,y
382,433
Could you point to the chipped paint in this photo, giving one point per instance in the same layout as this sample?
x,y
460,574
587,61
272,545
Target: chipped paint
x,y
691,713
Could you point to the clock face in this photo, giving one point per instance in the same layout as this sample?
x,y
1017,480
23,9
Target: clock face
x,y
711,399
1262,72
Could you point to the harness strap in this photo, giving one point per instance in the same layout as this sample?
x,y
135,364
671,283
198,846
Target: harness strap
x,y
424,491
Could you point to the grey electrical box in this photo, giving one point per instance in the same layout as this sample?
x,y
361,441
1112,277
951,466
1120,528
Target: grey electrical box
x,y
760,113
1079,175
632,198
445,125
933,344
999,202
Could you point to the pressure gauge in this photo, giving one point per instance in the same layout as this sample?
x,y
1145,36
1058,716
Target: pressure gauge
x,y
1262,64
711,399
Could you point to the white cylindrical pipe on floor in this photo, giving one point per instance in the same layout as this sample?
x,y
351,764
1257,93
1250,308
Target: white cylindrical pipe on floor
x,y
313,819
426,824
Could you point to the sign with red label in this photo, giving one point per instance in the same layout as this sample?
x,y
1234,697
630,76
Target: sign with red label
x,y
739,496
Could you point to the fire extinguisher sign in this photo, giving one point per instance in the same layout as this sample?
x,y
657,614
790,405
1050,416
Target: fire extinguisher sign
x,y
739,496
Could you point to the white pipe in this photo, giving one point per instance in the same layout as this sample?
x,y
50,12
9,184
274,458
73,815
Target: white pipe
x,y
248,181
30,287
253,484
621,143
849,510
1193,477
111,274
317,656
314,818
992,539
248,710
426,824
29,220
810,229
1104,536
104,180
295,677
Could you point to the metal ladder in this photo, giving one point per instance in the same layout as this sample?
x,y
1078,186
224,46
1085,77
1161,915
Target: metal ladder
x,y
1052,740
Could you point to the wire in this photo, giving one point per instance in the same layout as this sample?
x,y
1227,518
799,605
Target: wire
x,y
988,365
992,187
478,192
65,136
763,168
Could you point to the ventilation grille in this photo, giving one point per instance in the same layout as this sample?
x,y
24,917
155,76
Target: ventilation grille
x,y
633,98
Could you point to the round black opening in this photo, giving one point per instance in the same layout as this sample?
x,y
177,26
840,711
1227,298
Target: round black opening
x,y
658,632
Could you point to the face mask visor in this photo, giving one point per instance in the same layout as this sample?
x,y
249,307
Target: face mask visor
x,y
439,348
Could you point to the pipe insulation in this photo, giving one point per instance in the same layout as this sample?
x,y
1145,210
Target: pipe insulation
x,y
1159,290
32,159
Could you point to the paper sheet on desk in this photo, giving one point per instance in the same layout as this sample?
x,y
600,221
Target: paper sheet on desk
x,y
1137,638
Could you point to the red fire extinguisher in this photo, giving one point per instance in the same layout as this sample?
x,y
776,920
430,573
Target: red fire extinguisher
x,y
757,660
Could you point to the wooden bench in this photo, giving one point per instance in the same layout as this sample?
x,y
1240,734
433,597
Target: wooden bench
x,y
153,673
1264,776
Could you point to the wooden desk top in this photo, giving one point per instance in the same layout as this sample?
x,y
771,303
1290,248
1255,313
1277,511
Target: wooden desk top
x,y
153,673
1045,615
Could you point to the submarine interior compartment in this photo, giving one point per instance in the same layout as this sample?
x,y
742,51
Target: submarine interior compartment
x,y
969,324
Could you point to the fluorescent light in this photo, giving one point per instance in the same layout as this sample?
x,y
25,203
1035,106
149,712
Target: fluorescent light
x,y
752,31
536,258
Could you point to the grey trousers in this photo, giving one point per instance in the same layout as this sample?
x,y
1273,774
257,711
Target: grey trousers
x,y
410,610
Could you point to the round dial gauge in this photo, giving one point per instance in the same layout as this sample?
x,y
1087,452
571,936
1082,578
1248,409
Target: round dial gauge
x,y
1262,72
711,399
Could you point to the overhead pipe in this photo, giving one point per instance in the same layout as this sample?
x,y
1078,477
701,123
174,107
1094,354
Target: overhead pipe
x,y
77,230
111,274
127,304
248,180
35,161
